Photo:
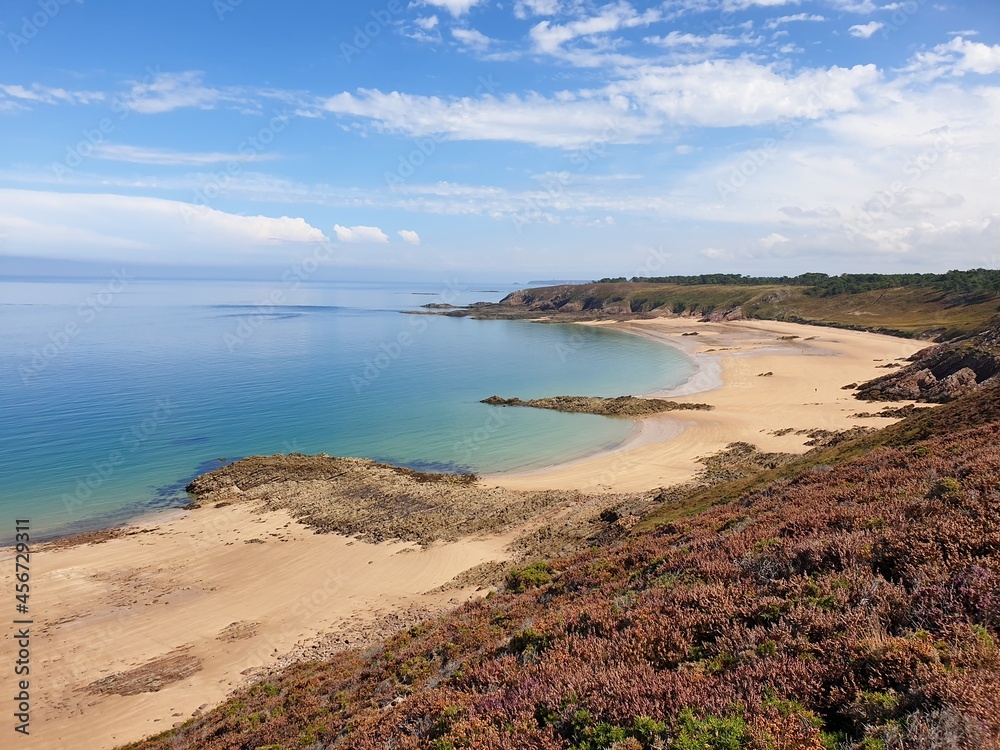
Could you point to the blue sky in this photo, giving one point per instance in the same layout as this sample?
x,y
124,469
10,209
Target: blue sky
x,y
525,138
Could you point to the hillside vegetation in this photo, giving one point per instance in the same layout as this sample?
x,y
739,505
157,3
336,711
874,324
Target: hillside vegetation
x,y
944,306
848,598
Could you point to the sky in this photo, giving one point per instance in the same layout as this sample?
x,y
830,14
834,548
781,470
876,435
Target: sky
x,y
532,138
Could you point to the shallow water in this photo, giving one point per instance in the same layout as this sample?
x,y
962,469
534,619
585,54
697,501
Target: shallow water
x,y
110,401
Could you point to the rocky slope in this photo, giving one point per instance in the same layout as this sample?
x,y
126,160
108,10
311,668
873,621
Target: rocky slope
x,y
941,373
621,406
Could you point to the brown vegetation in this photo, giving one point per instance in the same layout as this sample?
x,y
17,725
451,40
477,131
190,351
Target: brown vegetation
x,y
846,598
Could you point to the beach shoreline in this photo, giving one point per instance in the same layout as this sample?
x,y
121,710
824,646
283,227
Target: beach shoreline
x,y
732,358
222,593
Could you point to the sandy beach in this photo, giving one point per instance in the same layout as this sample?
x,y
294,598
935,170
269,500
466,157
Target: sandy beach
x,y
198,604
137,633
809,366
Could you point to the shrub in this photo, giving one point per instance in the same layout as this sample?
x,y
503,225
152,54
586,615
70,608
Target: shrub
x,y
537,574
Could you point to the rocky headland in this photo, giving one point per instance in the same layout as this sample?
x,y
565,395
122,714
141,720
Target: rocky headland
x,y
941,373
620,406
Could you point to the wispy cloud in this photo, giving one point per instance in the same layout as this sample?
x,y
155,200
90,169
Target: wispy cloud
x,y
166,157
774,23
455,7
473,39
36,93
549,37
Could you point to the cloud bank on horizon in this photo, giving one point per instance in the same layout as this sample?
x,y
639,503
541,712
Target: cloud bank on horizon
x,y
534,136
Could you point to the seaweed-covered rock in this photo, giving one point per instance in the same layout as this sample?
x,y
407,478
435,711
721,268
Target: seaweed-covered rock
x,y
620,406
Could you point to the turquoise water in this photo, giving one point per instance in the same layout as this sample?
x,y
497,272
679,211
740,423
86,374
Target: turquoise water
x,y
113,395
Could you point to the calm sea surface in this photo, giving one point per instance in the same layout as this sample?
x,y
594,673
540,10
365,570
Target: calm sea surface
x,y
113,395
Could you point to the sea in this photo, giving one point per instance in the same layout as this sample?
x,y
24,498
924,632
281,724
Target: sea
x,y
115,392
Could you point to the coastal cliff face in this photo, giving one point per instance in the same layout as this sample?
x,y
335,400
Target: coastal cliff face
x,y
941,373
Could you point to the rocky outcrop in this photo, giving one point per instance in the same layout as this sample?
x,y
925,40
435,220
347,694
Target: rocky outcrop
x,y
719,316
940,373
621,406
373,501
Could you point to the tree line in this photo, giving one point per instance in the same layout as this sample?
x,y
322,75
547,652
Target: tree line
x,y
977,281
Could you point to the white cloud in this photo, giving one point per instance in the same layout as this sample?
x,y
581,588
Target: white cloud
x,y
716,93
360,234
548,38
866,30
427,23
525,8
142,229
957,57
562,122
798,17
164,92
725,93
472,38
455,7
710,42
166,157
409,236
169,91
39,94
975,56
854,6
773,240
